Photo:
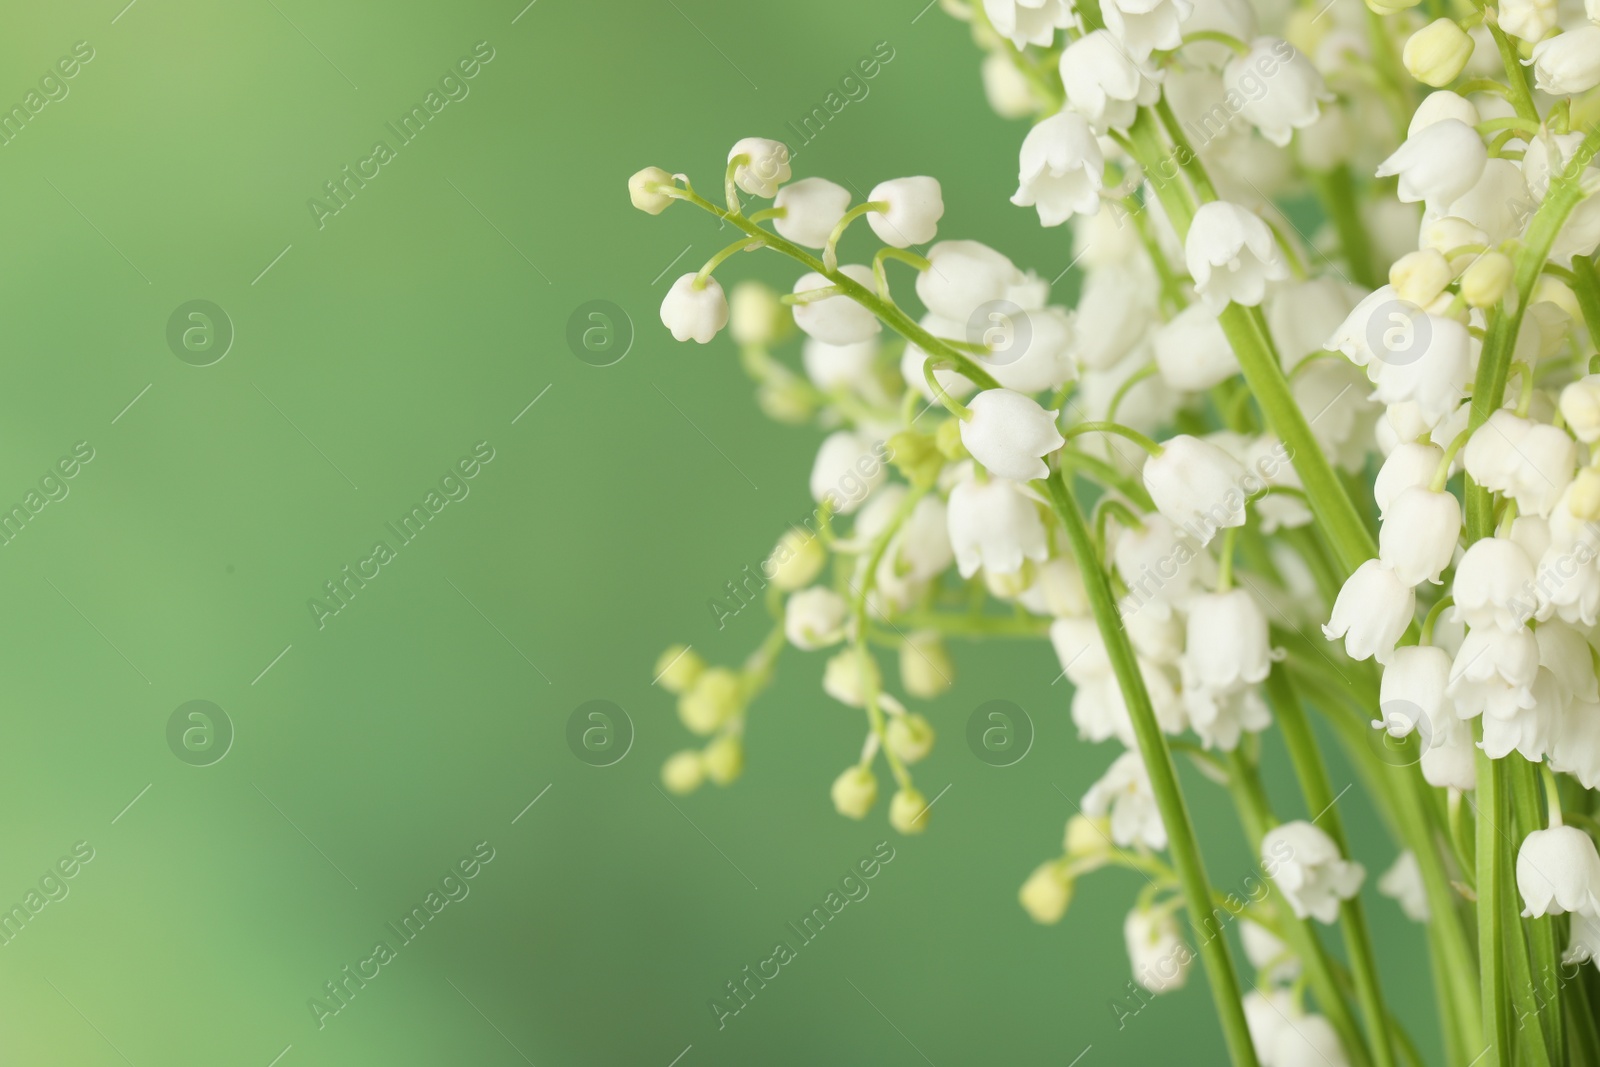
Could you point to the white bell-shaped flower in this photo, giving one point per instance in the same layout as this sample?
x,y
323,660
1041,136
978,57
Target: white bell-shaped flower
x,y
1025,22
765,166
1580,406
1104,84
1418,535
1123,793
1307,868
1030,351
1297,88
915,207
1265,1013
1492,585
814,618
848,467
1009,432
1527,729
1412,465
1227,644
1584,945
1569,63
1451,760
1161,565
1402,883
812,207
1197,486
838,320
1156,950
1309,1041
833,367
1355,337
694,311
1371,612
1438,106
1057,590
1115,308
1232,254
1532,462
1558,870
1220,717
1494,673
1081,650
1438,164
1412,696
1236,18
994,525
963,277
1528,19
1146,25
1061,169
1191,351
1422,358
1273,959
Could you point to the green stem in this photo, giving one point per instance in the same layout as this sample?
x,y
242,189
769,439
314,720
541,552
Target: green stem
x,y
1163,775
1520,95
897,320
1493,908
1543,984
1337,190
1117,428
1586,287
830,252
1319,795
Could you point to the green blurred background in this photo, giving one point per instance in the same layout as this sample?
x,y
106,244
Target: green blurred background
x,y
372,754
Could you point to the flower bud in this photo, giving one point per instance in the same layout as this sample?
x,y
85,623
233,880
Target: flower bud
x,y
812,207
925,668
1487,280
797,559
910,737
854,792
838,320
1009,433
947,438
694,310
786,399
814,618
1391,7
841,678
1006,87
678,668
757,316
915,207
908,810
1046,894
643,191
916,456
1583,499
724,759
1419,277
1088,836
1197,486
765,166
683,772
1436,54
713,700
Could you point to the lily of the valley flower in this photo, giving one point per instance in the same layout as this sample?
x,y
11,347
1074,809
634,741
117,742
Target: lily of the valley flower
x,y
765,166
915,206
1568,63
1232,254
1104,84
1123,793
1307,868
694,310
814,618
1009,432
1146,25
1025,22
1156,950
994,525
812,208
1558,870
1438,164
1061,169
1492,583
838,320
1297,92
1418,535
1197,486
1371,612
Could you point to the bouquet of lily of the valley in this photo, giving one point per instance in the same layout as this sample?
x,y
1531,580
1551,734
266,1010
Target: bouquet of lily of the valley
x,y
1346,450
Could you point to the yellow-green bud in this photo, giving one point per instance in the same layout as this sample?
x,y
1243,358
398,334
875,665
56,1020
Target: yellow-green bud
x,y
910,737
712,701
854,792
908,811
1583,499
796,560
1046,894
683,772
1580,406
1552,290
1420,276
947,438
679,668
1487,280
786,400
925,667
1087,836
1436,54
644,192
1391,7
724,759
756,316
1010,586
917,457
841,677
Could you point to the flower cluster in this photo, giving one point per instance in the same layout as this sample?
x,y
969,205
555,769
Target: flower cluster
x,y
1172,481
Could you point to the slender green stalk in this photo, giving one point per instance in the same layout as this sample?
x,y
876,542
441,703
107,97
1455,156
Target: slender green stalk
x,y
1314,784
1185,849
1586,286
1493,909
1544,981
1337,189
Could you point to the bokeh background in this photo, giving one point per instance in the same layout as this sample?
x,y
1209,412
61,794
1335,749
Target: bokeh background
x,y
371,754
